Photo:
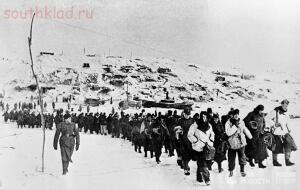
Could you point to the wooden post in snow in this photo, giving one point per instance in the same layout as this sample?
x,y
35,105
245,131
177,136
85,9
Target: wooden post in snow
x,y
39,92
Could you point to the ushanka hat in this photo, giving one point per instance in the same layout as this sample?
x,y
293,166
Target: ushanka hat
x,y
236,112
187,111
67,116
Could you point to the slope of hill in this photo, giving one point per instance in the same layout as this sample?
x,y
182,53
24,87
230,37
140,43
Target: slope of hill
x,y
145,78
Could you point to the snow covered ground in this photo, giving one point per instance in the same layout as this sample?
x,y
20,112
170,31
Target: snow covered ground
x,y
145,79
106,163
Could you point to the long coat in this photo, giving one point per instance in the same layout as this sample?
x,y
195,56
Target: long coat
x,y
220,143
136,136
66,133
185,149
256,147
146,133
157,137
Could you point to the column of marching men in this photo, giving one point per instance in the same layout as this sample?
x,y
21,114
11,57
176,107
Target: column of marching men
x,y
204,137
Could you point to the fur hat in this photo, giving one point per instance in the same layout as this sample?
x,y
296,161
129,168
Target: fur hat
x,y
67,116
259,108
149,115
216,116
209,111
187,111
236,112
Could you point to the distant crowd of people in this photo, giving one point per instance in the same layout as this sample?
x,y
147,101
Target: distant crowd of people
x,y
205,137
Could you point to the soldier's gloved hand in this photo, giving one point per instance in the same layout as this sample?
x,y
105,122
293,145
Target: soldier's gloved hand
x,y
77,147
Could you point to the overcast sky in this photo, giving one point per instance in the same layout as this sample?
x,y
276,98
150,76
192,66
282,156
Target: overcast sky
x,y
247,33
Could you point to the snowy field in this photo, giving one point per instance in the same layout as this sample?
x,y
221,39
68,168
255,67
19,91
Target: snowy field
x,y
106,163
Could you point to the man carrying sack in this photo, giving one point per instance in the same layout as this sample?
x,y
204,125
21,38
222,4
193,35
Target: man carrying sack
x,y
277,122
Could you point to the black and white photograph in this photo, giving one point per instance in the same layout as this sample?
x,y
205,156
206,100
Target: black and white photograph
x,y
149,94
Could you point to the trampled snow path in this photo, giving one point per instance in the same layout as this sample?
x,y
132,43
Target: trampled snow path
x,y
106,163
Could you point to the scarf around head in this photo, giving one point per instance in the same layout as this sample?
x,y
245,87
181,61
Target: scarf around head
x,y
203,126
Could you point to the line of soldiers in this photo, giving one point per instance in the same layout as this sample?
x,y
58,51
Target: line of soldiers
x,y
205,138
27,119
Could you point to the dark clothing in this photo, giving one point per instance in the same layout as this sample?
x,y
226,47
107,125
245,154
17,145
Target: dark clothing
x,y
86,123
58,119
284,144
125,128
20,120
115,127
90,123
202,167
170,141
109,124
136,136
147,136
157,144
80,120
232,155
49,121
6,116
66,133
224,119
185,145
97,124
255,148
158,136
220,142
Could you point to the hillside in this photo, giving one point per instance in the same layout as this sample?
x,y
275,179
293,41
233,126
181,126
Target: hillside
x,y
145,79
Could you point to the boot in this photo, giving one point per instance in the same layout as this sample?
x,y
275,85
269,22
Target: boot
x,y
243,174
179,162
199,178
276,163
186,172
275,160
260,165
220,169
158,160
207,183
287,159
289,163
230,173
188,168
251,162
